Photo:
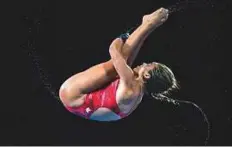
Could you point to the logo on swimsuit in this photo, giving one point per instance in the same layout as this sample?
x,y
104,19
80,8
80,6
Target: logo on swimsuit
x,y
88,110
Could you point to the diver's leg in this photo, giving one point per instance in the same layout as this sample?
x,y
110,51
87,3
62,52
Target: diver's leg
x,y
73,90
136,39
95,77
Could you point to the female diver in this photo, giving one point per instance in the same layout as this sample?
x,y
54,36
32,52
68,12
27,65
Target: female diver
x,y
112,90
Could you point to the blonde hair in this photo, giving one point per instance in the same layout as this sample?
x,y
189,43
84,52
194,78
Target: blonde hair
x,y
161,83
165,77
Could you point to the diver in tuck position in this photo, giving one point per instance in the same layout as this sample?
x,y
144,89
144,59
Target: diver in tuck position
x,y
112,90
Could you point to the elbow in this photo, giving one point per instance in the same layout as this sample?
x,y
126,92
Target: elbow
x,y
111,51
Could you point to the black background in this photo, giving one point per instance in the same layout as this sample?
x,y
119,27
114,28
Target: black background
x,y
71,36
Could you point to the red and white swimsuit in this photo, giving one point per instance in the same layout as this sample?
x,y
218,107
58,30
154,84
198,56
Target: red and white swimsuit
x,y
102,98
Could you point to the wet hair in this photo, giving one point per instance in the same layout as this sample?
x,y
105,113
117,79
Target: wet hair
x,y
162,81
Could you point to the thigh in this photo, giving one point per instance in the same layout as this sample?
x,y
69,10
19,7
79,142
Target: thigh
x,y
87,81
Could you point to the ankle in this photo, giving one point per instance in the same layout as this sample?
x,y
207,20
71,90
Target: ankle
x,y
147,28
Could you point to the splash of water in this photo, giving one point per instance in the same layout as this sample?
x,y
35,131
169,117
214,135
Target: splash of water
x,y
29,47
162,97
182,5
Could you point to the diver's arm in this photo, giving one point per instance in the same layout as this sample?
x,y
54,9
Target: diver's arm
x,y
124,71
133,44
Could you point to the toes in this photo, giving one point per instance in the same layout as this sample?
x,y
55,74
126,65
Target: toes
x,y
163,10
166,10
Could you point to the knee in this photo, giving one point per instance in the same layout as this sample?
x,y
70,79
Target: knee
x,y
65,94
62,91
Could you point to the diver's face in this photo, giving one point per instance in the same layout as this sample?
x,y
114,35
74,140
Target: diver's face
x,y
143,69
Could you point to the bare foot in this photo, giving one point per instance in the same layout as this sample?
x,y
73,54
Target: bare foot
x,y
156,18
